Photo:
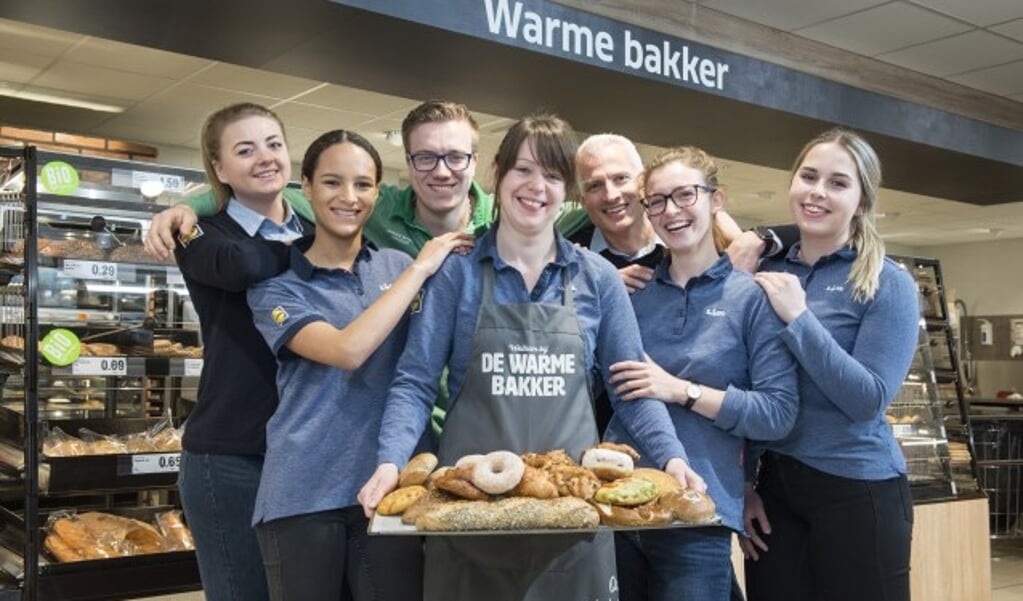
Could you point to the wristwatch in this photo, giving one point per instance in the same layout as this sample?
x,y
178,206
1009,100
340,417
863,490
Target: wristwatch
x,y
693,394
771,242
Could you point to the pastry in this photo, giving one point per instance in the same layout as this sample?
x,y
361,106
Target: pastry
x,y
498,472
607,464
400,499
689,505
626,491
665,482
535,483
417,470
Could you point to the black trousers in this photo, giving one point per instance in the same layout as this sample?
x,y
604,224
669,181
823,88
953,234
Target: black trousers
x,y
328,556
832,538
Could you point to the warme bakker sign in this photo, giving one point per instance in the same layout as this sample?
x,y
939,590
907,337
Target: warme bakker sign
x,y
560,31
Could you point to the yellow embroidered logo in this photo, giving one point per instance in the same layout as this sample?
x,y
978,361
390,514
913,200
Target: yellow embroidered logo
x,y
185,239
279,315
417,303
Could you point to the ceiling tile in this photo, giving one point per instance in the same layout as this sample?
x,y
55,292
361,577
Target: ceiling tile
x,y
359,101
1013,29
883,29
21,37
135,59
253,81
1004,80
101,82
965,52
789,14
319,119
22,67
978,12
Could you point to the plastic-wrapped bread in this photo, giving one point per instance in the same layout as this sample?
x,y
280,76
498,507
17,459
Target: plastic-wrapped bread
x,y
176,535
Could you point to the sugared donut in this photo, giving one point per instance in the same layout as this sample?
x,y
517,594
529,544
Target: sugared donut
x,y
468,461
607,464
498,472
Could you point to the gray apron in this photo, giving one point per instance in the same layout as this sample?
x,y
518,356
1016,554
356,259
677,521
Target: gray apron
x,y
526,390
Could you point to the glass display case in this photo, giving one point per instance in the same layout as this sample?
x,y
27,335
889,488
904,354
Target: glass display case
x,y
100,352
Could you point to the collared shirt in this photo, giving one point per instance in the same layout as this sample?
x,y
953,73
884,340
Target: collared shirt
x,y
599,245
393,222
719,331
322,440
853,358
256,224
441,333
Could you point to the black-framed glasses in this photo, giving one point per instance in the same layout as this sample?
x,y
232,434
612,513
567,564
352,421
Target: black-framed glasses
x,y
682,197
427,161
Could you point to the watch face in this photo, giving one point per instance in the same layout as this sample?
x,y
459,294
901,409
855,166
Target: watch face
x,y
694,391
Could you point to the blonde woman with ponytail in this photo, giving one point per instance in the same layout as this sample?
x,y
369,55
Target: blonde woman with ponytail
x,y
830,516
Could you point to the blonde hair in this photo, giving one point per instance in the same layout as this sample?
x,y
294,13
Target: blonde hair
x,y
865,274
209,137
694,158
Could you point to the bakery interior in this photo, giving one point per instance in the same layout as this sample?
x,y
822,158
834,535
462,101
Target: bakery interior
x,y
155,95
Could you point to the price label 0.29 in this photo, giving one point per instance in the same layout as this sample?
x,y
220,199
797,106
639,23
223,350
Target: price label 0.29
x,y
90,270
155,463
100,366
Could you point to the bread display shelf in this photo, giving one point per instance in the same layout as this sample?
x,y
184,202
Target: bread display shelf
x,y
391,525
142,366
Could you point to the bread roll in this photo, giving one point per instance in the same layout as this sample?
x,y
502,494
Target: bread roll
x,y
626,491
400,499
535,483
664,481
649,514
514,513
454,481
417,470
426,502
176,536
61,550
688,505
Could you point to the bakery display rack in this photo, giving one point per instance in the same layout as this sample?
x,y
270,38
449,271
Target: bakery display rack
x,y
98,345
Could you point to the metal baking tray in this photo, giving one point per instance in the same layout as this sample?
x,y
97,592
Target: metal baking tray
x,y
391,525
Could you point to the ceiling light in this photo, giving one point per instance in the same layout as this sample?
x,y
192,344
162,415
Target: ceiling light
x,y
393,137
49,97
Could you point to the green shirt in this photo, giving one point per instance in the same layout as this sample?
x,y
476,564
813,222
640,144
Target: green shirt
x,y
393,222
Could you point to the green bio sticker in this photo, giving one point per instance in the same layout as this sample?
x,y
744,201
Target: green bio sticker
x,y
60,347
59,178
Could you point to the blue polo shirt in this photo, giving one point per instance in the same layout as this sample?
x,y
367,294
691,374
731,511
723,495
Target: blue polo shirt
x,y
719,331
853,358
442,334
322,440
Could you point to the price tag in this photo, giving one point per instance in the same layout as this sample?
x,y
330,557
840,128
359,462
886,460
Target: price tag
x,y
171,183
155,463
901,430
100,366
174,278
89,270
193,367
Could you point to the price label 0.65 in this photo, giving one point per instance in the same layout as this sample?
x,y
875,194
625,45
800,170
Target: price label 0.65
x,y
100,366
90,270
155,463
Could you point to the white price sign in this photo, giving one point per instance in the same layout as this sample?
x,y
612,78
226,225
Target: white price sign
x,y
155,463
902,430
193,367
170,183
89,270
100,366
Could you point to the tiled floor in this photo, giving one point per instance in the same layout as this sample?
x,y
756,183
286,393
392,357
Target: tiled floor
x,y
1007,570
1006,575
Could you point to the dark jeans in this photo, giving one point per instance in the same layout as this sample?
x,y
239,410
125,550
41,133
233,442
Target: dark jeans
x,y
832,538
322,556
218,493
687,564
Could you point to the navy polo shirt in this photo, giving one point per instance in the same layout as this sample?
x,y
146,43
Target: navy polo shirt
x,y
322,440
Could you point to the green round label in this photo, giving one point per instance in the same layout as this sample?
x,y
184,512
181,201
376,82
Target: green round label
x,y
59,177
60,347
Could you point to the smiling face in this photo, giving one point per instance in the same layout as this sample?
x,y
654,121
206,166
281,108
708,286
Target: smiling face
x,y
253,159
825,195
441,190
342,190
529,194
687,230
610,188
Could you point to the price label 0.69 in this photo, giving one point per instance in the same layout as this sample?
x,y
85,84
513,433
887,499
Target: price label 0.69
x,y
90,270
100,366
155,463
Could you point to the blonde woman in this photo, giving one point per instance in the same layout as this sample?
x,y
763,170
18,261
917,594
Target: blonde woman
x,y
831,514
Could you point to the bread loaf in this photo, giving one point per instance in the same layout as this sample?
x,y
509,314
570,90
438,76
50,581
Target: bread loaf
x,y
176,536
514,513
417,470
400,499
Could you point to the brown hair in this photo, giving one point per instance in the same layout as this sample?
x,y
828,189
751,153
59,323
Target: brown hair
x,y
694,158
209,138
438,111
863,235
553,142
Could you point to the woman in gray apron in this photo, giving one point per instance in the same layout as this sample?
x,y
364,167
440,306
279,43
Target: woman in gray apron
x,y
521,322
